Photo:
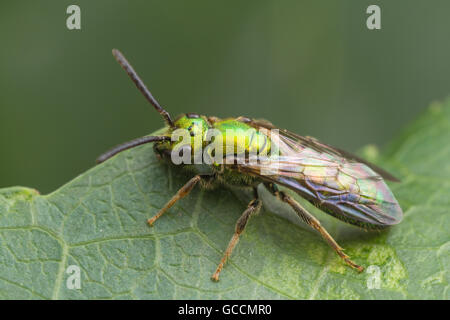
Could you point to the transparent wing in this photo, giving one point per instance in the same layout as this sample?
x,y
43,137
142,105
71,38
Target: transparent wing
x,y
345,188
319,146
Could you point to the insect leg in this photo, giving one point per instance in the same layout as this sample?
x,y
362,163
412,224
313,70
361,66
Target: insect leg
x,y
253,207
184,191
312,222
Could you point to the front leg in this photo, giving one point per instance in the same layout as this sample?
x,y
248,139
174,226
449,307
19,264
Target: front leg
x,y
184,191
253,207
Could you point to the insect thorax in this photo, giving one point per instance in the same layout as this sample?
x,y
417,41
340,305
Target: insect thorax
x,y
198,134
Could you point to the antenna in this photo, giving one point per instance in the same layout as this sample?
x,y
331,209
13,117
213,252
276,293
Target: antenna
x,y
130,144
141,86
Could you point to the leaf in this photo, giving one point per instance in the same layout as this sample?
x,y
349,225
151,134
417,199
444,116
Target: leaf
x,y
98,223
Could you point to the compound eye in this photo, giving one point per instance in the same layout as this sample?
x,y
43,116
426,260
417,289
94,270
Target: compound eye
x,y
192,116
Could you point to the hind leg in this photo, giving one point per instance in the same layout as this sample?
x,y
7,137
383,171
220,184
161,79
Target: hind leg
x,y
310,220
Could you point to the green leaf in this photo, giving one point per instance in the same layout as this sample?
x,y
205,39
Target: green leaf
x,y
98,223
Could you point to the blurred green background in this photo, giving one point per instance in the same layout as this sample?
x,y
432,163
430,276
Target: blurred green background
x,y
309,66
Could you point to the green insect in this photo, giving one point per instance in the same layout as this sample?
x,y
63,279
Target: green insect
x,y
339,183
